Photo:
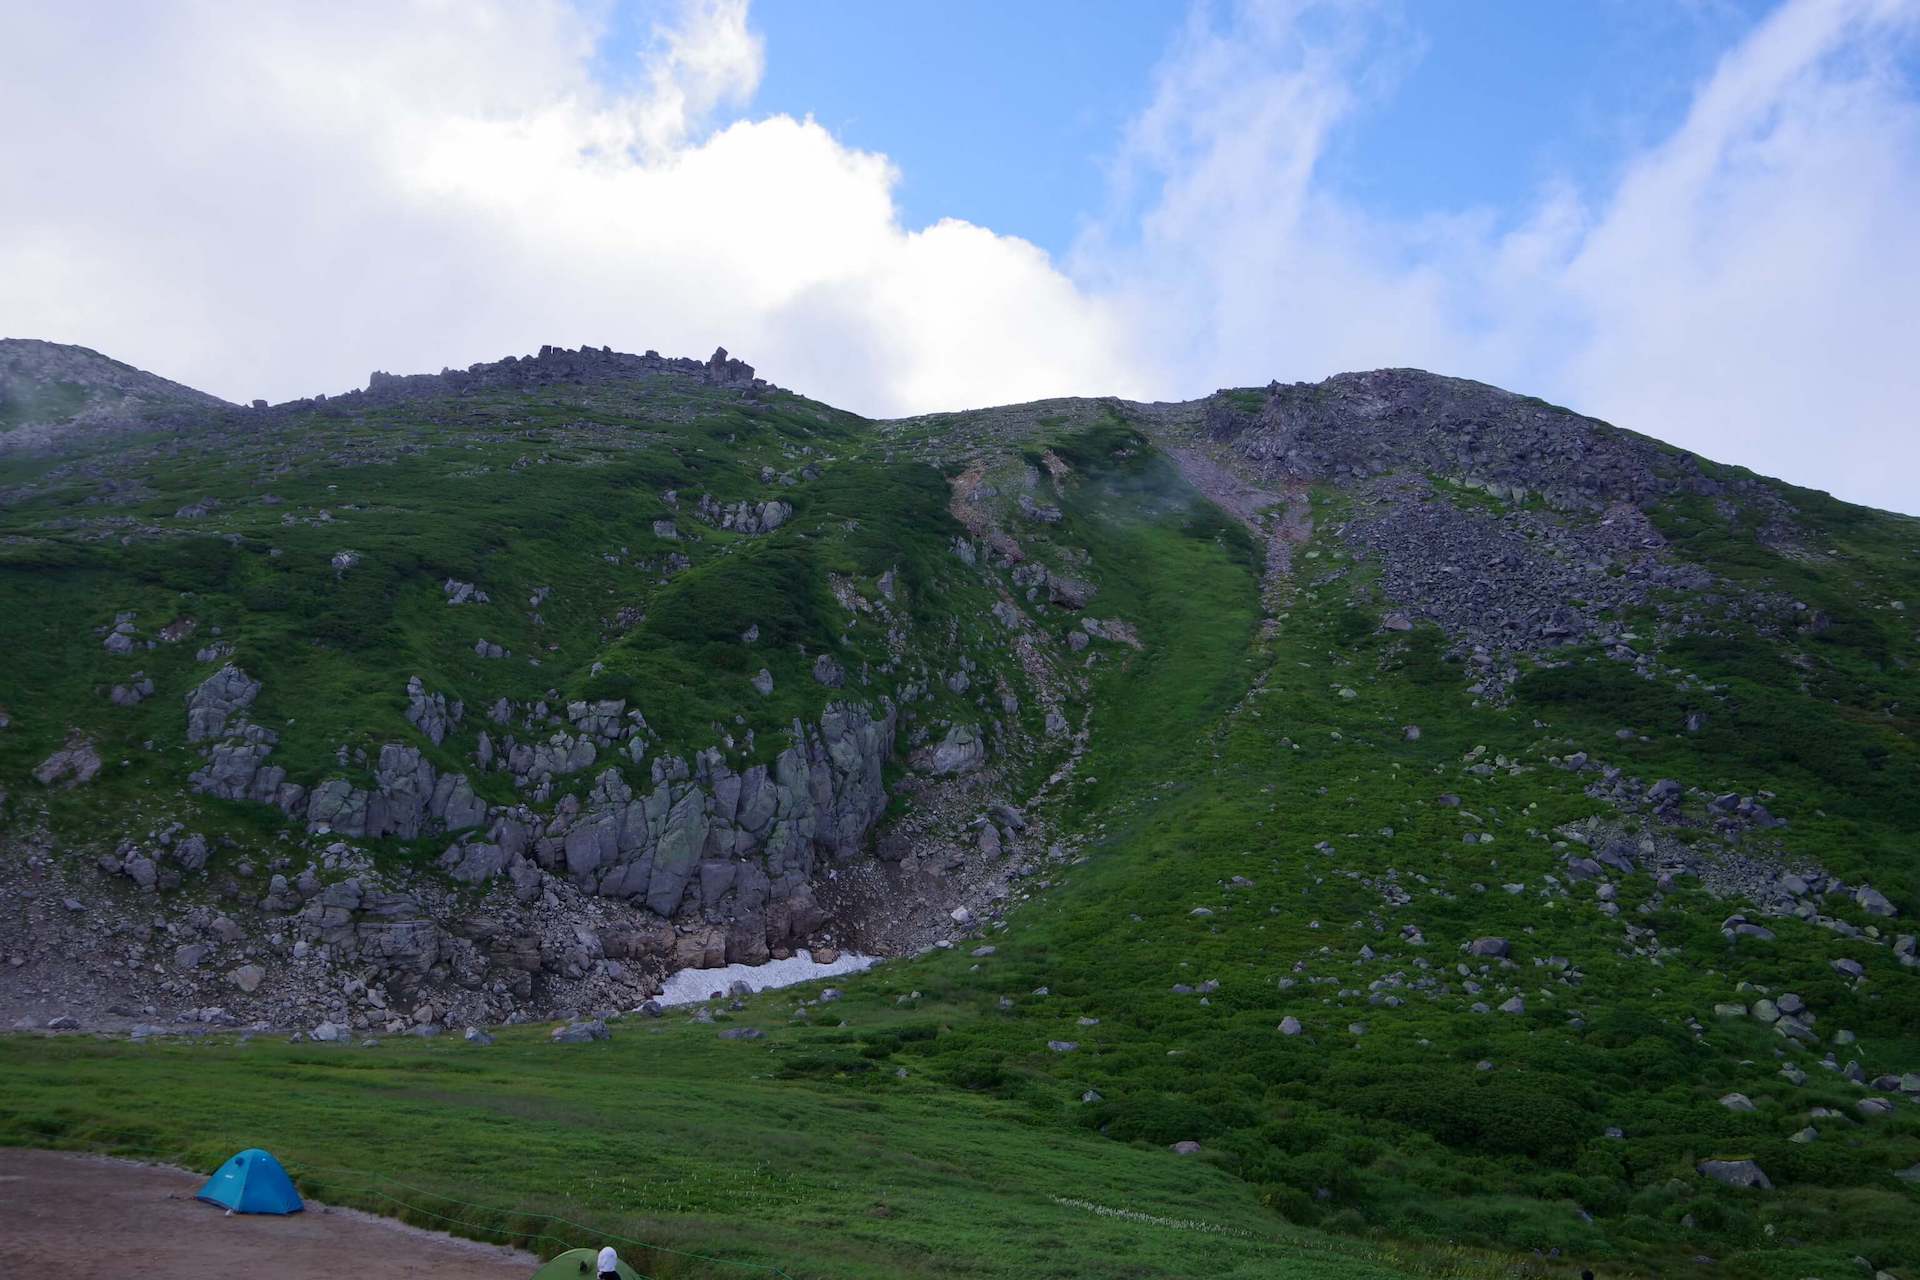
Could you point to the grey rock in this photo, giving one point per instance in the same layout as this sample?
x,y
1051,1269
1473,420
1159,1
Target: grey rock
x,y
137,690
961,750
216,699
1873,902
75,764
581,1032
427,712
1736,1173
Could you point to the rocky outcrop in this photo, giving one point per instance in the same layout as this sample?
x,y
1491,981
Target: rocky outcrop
x,y
430,712
236,769
553,365
216,699
409,798
736,848
743,516
73,765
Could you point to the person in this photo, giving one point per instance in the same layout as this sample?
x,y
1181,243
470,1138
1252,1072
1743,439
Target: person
x,y
609,1264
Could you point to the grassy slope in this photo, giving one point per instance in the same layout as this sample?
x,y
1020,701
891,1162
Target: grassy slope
x,y
513,494
1394,1133
806,1149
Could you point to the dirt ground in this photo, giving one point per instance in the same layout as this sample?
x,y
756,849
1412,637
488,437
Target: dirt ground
x,y
85,1218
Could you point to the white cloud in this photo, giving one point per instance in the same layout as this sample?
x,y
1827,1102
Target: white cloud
x,y
1750,287
270,199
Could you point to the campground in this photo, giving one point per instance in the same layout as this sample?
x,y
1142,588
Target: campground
x,y
92,1218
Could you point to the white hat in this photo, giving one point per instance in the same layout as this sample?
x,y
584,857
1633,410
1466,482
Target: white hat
x,y
609,1260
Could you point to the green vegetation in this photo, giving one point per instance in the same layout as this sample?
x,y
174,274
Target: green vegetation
x,y
1261,831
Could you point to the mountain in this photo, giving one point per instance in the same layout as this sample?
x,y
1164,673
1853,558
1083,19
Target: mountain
x,y
51,394
1389,820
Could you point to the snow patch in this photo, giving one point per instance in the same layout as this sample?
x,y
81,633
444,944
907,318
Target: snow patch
x,y
690,986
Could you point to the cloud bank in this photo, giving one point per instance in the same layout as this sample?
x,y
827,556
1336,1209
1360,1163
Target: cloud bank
x,y
270,200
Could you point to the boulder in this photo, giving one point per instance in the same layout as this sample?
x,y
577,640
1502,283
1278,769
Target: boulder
x,y
581,1032
1873,902
1498,948
1736,1173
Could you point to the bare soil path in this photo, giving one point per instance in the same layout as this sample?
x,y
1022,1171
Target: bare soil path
x,y
87,1218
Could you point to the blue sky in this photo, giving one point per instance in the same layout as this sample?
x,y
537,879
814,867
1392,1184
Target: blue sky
x,y
1009,114
1694,218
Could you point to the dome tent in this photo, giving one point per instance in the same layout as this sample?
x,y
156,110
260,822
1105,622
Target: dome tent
x,y
252,1182
580,1264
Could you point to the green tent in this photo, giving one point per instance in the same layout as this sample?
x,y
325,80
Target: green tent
x,y
579,1264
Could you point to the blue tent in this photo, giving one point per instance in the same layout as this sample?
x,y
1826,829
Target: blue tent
x,y
252,1182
